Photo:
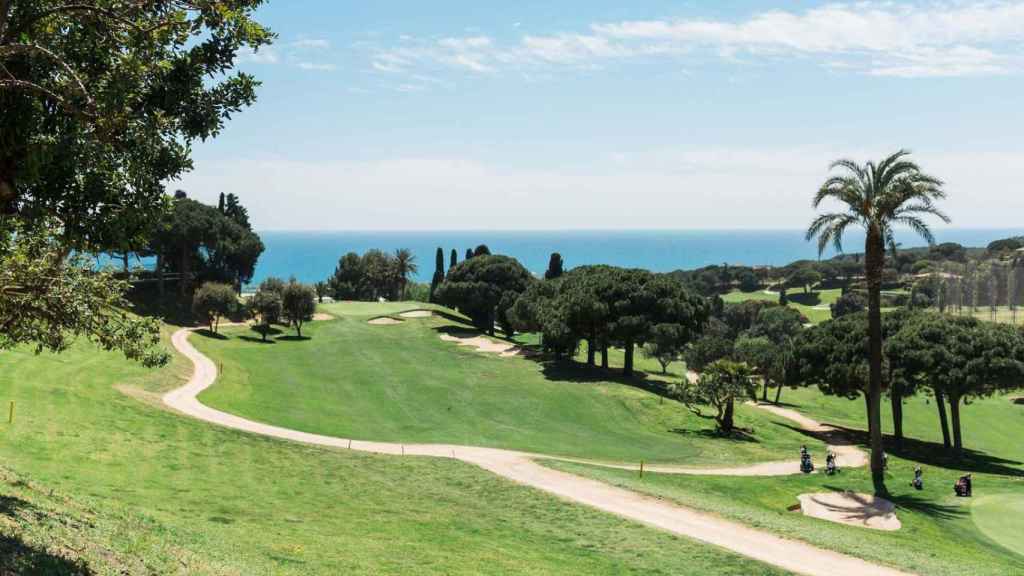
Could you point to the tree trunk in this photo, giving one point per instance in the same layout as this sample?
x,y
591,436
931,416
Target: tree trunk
x,y
184,269
298,328
627,364
778,393
940,401
954,412
591,348
874,261
124,260
764,390
604,355
726,424
896,401
160,274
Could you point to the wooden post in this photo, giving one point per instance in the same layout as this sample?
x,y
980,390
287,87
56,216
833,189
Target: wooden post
x,y
641,468
403,449
349,443
10,414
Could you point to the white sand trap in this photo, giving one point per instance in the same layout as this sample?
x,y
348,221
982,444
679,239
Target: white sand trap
x,y
503,349
417,314
851,508
321,316
384,321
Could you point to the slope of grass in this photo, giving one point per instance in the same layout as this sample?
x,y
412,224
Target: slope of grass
x,y
941,534
43,532
992,427
402,383
224,502
937,537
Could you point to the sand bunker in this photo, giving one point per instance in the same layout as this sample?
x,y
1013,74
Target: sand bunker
x,y
383,321
320,316
851,508
417,314
503,349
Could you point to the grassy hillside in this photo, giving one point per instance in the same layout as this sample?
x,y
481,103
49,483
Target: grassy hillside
x,y
402,383
222,502
941,534
46,532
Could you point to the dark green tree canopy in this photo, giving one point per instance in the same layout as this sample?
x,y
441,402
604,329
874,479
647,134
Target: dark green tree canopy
x,y
485,288
101,100
849,303
554,266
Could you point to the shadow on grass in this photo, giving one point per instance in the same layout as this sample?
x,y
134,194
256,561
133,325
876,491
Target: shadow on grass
x,y
919,505
256,340
206,333
737,435
293,338
922,452
19,557
809,299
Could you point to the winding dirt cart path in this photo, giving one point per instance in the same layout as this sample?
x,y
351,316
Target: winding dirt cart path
x,y
791,555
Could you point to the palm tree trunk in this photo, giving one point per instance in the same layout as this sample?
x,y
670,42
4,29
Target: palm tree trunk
x,y
940,400
874,261
896,402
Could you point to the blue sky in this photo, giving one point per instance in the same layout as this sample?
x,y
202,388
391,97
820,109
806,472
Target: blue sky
x,y
597,114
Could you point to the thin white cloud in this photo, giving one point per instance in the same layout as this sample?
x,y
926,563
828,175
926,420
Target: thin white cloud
x,y
878,38
320,67
265,55
311,43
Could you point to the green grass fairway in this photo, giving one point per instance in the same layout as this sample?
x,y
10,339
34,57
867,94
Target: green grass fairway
x,y
992,427
1001,518
814,305
402,383
938,536
941,534
205,500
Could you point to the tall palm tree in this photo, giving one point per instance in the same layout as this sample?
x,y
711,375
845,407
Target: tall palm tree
x,y
405,264
877,198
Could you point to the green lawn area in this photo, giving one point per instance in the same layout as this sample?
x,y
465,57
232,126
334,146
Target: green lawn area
x,y
941,534
182,496
402,383
814,304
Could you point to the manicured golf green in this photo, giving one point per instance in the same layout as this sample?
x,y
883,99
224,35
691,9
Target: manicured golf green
x,y
402,383
182,496
1001,518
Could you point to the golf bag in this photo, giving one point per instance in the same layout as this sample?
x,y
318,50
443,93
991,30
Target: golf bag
x,y
806,466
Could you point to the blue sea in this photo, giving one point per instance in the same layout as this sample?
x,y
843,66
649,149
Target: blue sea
x,y
312,256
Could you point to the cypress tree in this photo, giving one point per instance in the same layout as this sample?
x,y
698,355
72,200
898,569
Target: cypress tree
x,y
438,272
454,260
554,266
783,299
469,253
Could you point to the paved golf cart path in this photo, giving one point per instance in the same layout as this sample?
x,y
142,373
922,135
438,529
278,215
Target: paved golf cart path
x,y
790,555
